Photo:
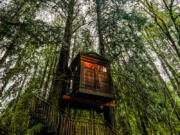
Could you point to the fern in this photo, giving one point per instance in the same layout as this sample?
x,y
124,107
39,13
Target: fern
x,y
35,129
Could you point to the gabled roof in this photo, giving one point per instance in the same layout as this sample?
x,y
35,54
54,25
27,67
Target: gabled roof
x,y
89,54
94,55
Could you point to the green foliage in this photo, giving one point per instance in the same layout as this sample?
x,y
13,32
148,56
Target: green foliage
x,y
20,118
15,119
35,129
136,42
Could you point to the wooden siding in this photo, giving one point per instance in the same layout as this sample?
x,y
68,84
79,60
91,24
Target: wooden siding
x,y
103,81
96,92
94,79
89,78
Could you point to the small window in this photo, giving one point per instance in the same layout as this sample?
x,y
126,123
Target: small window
x,y
102,68
99,68
71,84
89,65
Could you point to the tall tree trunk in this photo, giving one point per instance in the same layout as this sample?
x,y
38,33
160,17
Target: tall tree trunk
x,y
8,51
166,89
10,74
169,76
173,18
53,61
44,74
99,26
59,82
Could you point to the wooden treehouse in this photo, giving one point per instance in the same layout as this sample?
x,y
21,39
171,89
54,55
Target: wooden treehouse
x,y
89,84
90,80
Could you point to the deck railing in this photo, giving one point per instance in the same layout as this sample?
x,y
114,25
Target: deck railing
x,y
61,123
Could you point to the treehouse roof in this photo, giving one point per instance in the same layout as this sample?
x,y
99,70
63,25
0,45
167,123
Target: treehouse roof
x,y
92,55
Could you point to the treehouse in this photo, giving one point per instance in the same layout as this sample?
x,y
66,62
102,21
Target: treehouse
x,y
90,80
90,88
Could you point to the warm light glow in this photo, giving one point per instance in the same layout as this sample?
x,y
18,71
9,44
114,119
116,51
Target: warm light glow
x,y
66,97
99,67
89,65
110,104
102,68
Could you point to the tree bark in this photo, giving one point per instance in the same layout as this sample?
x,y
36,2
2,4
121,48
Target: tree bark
x,y
59,82
99,27
166,89
53,61
8,51
44,74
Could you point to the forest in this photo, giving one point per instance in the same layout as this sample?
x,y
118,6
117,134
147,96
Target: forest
x,y
140,38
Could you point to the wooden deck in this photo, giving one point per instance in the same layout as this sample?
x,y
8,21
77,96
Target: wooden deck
x,y
61,123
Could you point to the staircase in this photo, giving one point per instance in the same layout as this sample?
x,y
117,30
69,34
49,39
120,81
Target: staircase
x,y
60,123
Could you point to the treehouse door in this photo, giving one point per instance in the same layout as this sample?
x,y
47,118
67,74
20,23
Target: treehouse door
x,y
95,76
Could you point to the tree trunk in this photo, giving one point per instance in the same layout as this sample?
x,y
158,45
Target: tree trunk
x,y
99,26
53,61
166,89
59,82
44,74
8,51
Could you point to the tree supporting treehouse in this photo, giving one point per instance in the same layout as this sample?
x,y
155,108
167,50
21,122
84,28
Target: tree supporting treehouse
x,y
89,84
89,87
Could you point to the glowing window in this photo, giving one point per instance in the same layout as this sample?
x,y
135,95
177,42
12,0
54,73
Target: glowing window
x,y
89,65
102,68
99,67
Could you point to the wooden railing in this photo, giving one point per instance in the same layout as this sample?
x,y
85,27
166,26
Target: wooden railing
x,y
60,123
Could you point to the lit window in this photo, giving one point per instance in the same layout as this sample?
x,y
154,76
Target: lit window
x,y
102,68
99,68
89,65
